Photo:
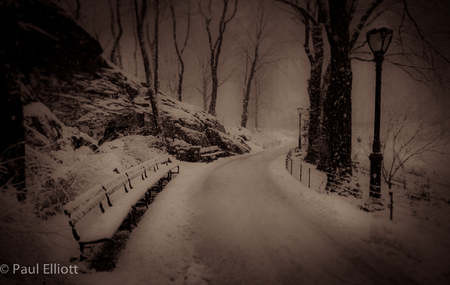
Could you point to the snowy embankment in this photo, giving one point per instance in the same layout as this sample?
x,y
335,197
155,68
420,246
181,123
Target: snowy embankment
x,y
398,244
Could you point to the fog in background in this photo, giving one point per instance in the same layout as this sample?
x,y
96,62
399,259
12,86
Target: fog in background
x,y
285,79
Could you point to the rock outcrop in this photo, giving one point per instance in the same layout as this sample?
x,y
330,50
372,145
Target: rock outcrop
x,y
54,61
227,142
44,130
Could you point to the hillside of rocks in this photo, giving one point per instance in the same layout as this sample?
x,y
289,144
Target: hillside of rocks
x,y
60,65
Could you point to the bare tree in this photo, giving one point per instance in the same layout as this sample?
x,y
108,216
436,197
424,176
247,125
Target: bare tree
x,y
136,43
156,47
140,18
115,55
203,60
205,78
426,62
409,135
95,32
151,44
180,49
412,52
312,17
215,47
152,37
336,18
253,59
258,102
168,78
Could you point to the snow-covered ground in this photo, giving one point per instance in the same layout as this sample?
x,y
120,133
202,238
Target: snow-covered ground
x,y
245,220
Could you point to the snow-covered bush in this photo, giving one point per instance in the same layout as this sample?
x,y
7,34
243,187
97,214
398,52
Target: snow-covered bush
x,y
53,179
24,238
346,185
56,177
421,191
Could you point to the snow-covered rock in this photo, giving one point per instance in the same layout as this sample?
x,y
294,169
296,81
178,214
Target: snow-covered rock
x,y
190,136
187,115
44,129
241,132
224,141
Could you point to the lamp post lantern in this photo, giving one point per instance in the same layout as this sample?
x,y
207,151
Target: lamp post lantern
x,y
300,111
379,40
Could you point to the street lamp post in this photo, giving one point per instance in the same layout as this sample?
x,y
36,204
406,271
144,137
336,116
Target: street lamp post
x,y
300,111
379,40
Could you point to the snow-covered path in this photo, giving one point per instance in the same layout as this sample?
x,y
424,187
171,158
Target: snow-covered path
x,y
235,221
251,233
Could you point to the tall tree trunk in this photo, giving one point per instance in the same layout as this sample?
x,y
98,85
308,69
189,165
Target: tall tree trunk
x,y
146,60
257,94
314,92
216,47
115,55
112,56
136,44
338,104
178,50
180,81
215,85
119,36
248,88
259,22
156,81
156,46
313,16
215,57
205,93
314,115
151,43
205,77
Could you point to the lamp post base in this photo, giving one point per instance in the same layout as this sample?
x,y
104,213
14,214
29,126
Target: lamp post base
x,y
372,205
375,174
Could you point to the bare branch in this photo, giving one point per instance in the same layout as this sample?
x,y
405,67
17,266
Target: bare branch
x,y
421,33
362,23
406,145
300,10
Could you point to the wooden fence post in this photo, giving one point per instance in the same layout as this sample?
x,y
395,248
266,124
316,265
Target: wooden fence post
x,y
392,203
309,179
301,166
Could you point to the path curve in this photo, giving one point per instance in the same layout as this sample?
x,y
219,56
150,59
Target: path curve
x,y
250,232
